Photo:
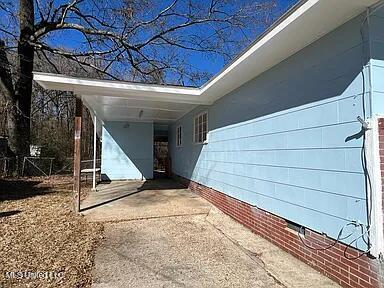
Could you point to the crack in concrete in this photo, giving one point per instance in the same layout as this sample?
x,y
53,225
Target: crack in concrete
x,y
252,255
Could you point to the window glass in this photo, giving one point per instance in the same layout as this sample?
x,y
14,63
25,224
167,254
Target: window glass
x,y
200,129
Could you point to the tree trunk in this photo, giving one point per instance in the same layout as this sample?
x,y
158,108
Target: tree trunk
x,y
19,126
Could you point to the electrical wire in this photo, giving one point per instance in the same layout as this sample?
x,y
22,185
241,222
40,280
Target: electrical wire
x,y
365,236
339,239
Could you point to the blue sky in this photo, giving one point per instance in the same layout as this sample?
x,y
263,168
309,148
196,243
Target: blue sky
x,y
214,65
204,62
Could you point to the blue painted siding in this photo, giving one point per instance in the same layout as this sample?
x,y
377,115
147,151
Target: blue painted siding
x,y
376,22
377,62
288,141
378,86
127,151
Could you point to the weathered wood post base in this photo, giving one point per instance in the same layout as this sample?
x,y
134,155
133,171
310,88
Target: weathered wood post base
x,y
77,155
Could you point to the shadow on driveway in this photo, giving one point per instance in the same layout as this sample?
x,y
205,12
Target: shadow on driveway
x,y
127,200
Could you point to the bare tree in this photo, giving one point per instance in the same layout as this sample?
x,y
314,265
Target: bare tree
x,y
139,40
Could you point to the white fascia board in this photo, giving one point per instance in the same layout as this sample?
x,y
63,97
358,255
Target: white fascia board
x,y
89,87
111,84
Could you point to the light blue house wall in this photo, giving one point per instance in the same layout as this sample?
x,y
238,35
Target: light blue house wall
x,y
376,22
288,141
127,151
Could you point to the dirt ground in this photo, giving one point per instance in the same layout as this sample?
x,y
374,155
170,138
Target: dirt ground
x,y
39,233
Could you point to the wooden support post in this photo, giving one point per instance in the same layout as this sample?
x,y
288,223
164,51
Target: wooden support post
x,y
77,155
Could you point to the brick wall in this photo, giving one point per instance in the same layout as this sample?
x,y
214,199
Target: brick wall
x,y
358,273
381,151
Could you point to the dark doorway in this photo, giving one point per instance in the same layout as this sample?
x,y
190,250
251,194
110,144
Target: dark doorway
x,y
160,157
160,151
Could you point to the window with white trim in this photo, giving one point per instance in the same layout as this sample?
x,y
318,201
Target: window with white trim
x,y
200,128
178,136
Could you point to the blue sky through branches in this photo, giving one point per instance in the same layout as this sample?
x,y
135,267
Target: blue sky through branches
x,y
205,63
201,61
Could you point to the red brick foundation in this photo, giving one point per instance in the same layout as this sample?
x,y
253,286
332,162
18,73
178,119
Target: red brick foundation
x,y
381,152
361,272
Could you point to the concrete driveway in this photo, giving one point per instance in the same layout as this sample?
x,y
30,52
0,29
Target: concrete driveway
x,y
158,234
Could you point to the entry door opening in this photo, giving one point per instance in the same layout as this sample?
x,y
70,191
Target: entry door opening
x,y
161,165
160,157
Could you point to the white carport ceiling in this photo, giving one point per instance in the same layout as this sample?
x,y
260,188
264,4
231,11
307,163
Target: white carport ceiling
x,y
123,101
126,109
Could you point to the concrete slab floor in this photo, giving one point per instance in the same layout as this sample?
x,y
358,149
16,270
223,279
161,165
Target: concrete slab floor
x,y
129,200
165,236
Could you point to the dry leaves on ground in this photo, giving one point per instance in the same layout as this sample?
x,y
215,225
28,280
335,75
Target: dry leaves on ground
x,y
39,233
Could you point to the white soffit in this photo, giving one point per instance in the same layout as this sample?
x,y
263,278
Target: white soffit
x,y
302,25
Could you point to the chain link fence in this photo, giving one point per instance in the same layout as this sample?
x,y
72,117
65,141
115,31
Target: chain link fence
x,y
40,166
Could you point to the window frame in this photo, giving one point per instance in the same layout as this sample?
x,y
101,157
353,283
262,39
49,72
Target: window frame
x,y
179,141
196,131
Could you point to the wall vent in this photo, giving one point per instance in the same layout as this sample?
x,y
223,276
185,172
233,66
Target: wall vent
x,y
294,227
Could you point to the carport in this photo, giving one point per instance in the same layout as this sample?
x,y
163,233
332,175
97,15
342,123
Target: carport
x,y
126,116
